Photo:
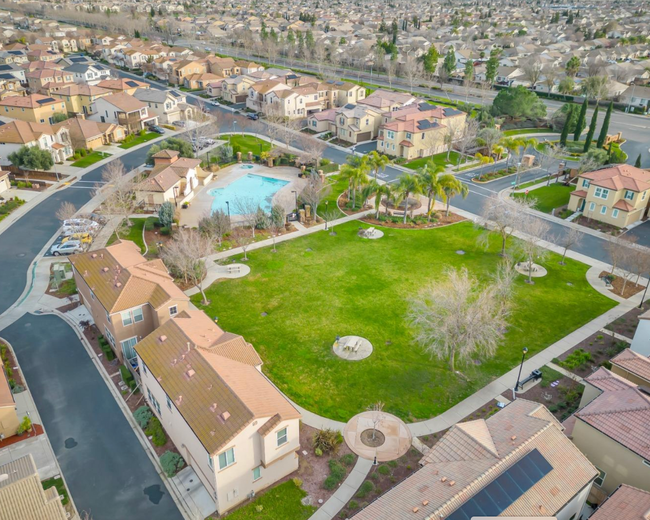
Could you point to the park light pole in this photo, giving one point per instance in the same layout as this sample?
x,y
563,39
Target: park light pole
x,y
326,219
523,357
228,206
295,195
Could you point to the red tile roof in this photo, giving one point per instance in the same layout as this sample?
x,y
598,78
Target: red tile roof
x,y
621,176
626,503
623,205
579,193
634,363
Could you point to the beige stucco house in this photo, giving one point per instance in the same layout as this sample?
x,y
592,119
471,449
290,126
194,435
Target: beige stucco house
x,y
235,429
34,108
617,195
127,295
9,420
612,428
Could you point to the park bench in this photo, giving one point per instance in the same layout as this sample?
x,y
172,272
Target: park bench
x,y
534,376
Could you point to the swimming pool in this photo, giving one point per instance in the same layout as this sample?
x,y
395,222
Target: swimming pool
x,y
256,187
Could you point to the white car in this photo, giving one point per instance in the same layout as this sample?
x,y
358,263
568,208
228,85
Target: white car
x,y
81,222
214,103
68,248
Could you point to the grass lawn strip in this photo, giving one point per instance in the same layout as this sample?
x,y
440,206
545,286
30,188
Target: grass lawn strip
x,y
522,131
248,143
548,197
134,232
440,159
319,286
280,502
139,140
60,488
90,159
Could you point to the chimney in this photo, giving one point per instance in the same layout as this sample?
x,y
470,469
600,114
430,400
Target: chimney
x,y
162,339
225,416
105,269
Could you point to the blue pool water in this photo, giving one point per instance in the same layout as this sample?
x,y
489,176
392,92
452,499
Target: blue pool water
x,y
260,189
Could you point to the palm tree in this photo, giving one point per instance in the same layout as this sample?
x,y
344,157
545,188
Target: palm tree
x,y
526,143
356,177
452,187
378,161
429,176
511,144
408,184
368,191
484,159
498,150
380,191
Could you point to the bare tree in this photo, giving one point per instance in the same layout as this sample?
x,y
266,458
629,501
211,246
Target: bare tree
x,y
66,211
640,262
242,240
391,67
534,231
215,226
248,208
504,215
532,69
376,416
467,138
550,76
456,319
118,193
314,192
570,238
412,70
617,249
330,217
312,149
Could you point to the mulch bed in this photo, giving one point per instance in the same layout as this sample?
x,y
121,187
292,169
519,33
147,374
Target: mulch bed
x,y
440,219
598,226
17,375
601,347
314,470
343,202
68,306
626,324
631,288
36,430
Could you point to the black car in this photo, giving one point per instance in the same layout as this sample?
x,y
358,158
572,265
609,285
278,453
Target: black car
x,y
157,129
253,117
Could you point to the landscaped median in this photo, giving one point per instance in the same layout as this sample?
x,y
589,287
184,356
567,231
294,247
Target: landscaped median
x,y
340,285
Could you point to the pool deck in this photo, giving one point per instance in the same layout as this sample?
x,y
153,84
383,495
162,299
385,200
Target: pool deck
x,y
201,204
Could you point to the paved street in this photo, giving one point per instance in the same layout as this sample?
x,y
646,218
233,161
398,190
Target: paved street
x,y
105,466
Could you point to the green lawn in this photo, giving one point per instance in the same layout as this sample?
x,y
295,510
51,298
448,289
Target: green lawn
x,y
91,158
319,286
440,158
280,502
139,139
9,206
60,488
548,197
135,231
523,131
248,143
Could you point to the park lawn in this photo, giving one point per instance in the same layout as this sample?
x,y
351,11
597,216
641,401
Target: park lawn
x,y
319,286
548,197
249,143
91,158
523,131
139,139
135,232
60,488
280,502
440,159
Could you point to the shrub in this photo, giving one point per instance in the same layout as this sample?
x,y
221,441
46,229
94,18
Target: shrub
x,y
318,452
330,483
165,231
383,470
392,463
327,440
106,349
325,162
142,416
337,474
365,489
578,358
171,463
24,426
142,132
16,389
353,504
156,432
347,459
127,377
553,408
606,364
296,481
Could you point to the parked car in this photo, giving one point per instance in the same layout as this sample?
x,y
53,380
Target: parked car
x,y
157,129
80,222
214,103
84,238
179,123
68,248
253,117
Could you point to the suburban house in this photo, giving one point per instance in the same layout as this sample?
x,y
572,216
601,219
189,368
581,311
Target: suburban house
x,y
34,108
632,366
637,96
127,295
258,93
233,89
616,195
167,105
5,183
350,123
339,93
122,109
22,496
419,130
90,135
14,70
10,86
128,86
516,463
45,81
611,428
79,98
16,134
185,68
387,101
88,73
641,340
9,420
200,81
235,429
173,179
626,503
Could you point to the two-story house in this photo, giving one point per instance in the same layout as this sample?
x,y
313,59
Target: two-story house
x,y
90,135
79,98
122,109
616,195
235,429
34,108
127,295
357,123
127,85
185,68
335,94
233,89
258,94
168,105
46,81
89,74
16,134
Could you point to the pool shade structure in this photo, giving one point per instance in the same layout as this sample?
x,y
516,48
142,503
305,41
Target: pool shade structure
x,y
512,484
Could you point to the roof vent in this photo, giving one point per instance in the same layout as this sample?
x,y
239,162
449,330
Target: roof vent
x,y
513,438
452,483
416,509
190,373
105,269
210,386
101,255
179,400
213,432
213,407
118,284
163,338
85,273
225,416
443,479
425,502
94,255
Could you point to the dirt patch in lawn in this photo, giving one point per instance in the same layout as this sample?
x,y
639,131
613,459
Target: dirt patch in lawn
x,y
619,285
314,470
626,325
591,353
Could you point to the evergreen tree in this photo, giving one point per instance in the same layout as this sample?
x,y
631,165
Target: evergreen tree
x,y
582,121
152,12
565,129
469,70
309,40
291,37
638,161
136,34
450,61
605,128
430,60
591,131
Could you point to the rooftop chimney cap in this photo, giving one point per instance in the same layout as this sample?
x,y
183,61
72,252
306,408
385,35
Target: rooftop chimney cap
x,y
162,338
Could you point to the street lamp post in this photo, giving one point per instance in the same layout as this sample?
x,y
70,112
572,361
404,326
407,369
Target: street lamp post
x,y
521,366
518,175
228,206
295,194
326,220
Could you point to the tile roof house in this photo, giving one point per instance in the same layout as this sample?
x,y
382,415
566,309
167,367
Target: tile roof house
x,y
16,134
626,503
612,428
9,421
516,463
122,109
632,366
22,496
88,134
122,85
616,195
229,422
168,105
127,295
641,340
34,108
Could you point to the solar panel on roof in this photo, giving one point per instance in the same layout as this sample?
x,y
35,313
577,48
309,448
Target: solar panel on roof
x,y
131,83
46,100
497,496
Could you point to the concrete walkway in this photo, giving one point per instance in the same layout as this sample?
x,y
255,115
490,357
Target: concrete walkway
x,y
345,492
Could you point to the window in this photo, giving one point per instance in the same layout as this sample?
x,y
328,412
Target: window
x,y
629,195
282,436
603,210
643,195
408,135
390,134
257,473
601,193
173,310
600,479
615,213
210,461
585,183
126,318
153,401
227,458
109,336
127,347
592,206
137,315
169,403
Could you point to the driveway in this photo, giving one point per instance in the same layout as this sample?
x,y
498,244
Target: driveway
x,y
366,147
641,233
108,472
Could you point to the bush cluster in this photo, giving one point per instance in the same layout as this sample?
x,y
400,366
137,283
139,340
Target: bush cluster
x,y
106,348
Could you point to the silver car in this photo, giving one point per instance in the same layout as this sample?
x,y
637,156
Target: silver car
x,y
68,248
